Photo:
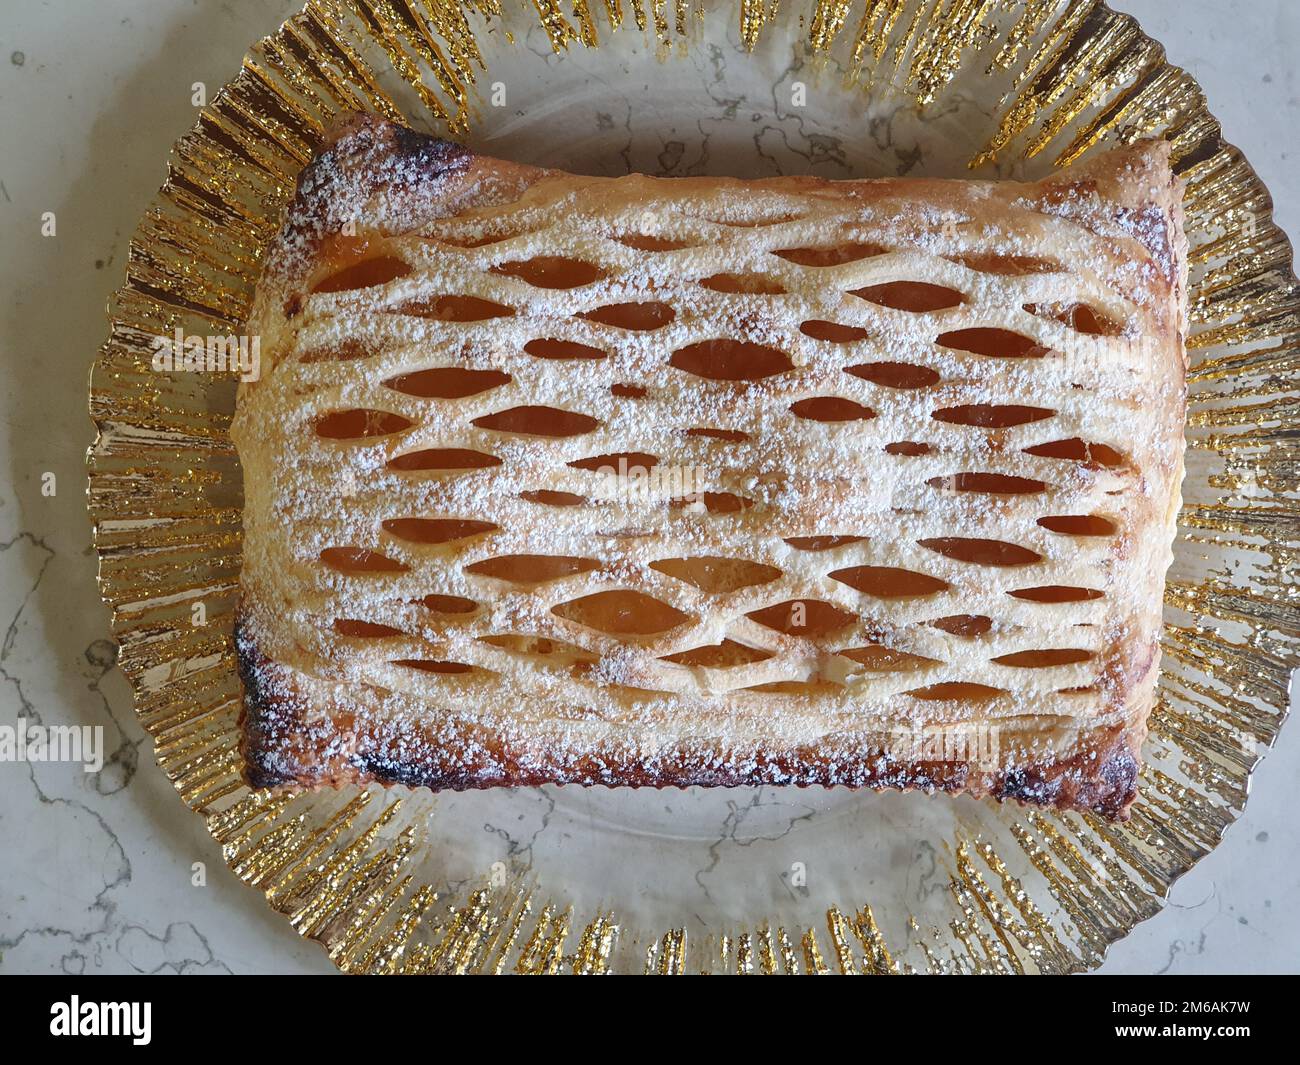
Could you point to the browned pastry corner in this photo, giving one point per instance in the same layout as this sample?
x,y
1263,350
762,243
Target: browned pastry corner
x,y
663,482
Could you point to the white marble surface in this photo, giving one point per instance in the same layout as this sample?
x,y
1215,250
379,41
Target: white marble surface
x,y
96,870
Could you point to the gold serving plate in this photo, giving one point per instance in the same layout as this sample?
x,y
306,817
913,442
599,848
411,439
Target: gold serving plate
x,y
721,880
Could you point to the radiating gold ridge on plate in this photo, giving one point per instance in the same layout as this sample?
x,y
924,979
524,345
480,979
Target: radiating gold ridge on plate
x,y
165,491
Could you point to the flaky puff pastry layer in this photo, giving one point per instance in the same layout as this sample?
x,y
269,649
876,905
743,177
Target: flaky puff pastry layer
x,y
666,482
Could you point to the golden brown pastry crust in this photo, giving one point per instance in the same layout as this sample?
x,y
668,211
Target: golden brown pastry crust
x,y
1040,272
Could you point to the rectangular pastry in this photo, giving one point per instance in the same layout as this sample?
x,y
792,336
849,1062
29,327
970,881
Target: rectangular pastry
x,y
701,481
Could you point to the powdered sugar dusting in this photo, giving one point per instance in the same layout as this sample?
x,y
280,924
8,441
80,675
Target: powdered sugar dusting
x,y
604,705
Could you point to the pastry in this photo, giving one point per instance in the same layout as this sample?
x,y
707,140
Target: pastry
x,y
701,481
